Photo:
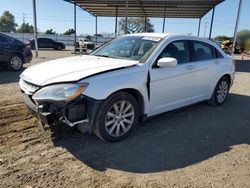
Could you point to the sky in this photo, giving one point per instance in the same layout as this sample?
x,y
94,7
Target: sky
x,y
59,15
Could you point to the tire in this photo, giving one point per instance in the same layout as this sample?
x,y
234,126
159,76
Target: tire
x,y
59,48
117,117
220,93
15,63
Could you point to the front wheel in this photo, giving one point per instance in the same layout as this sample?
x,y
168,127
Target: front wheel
x,y
15,63
117,117
220,93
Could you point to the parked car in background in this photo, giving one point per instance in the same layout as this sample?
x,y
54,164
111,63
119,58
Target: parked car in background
x,y
13,53
46,43
127,80
84,45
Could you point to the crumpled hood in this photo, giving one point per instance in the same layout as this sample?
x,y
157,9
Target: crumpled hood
x,y
71,69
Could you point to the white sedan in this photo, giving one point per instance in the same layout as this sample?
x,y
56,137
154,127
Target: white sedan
x,y
127,80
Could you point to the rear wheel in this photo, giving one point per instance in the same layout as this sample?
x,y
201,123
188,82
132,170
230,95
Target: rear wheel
x,y
15,63
220,92
117,117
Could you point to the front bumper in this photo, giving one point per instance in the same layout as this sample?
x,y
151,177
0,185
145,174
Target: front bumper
x,y
45,118
81,110
28,57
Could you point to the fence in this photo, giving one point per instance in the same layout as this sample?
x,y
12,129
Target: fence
x,y
66,39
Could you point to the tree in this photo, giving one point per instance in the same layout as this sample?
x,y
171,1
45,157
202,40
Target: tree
x,y
50,31
25,28
243,39
7,22
221,38
136,25
69,32
243,36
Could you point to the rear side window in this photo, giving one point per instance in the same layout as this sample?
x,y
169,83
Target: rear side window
x,y
217,53
178,50
202,51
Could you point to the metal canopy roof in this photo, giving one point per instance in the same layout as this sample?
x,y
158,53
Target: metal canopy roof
x,y
148,8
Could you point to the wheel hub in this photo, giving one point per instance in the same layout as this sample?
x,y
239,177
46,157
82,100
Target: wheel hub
x,y
119,118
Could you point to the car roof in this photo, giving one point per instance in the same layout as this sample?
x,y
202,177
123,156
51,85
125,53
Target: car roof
x,y
161,35
164,35
174,35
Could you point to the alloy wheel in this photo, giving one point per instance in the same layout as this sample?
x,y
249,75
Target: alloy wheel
x,y
119,118
222,91
16,63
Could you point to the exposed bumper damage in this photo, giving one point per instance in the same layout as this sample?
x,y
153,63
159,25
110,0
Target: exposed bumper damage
x,y
80,112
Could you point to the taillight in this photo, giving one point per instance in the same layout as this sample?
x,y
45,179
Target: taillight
x,y
27,44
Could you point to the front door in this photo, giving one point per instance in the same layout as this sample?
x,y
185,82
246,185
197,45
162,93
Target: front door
x,y
172,87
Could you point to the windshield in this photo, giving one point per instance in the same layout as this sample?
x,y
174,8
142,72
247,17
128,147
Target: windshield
x,y
128,47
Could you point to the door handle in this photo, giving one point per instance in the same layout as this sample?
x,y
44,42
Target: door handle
x,y
189,67
216,62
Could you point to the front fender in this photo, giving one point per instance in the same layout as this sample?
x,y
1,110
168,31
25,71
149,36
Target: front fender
x,y
103,85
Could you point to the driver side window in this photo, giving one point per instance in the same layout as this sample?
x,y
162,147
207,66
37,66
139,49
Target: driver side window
x,y
178,50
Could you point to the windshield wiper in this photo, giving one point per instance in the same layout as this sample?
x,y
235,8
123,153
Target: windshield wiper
x,y
109,56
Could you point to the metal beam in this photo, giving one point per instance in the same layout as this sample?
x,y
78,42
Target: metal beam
x,y
81,7
126,18
145,24
187,9
164,18
75,26
35,26
236,26
211,24
116,14
142,9
96,30
199,27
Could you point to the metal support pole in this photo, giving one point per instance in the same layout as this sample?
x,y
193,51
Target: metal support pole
x,y
145,24
199,27
236,26
164,18
211,24
126,18
35,26
96,30
116,14
75,26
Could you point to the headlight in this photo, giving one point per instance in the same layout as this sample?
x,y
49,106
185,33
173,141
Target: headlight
x,y
62,92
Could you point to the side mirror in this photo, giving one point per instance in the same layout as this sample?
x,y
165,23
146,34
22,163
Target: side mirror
x,y
167,62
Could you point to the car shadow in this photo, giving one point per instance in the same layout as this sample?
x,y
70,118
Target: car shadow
x,y
169,141
7,76
242,66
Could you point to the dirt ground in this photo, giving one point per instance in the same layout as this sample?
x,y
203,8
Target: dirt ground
x,y
198,146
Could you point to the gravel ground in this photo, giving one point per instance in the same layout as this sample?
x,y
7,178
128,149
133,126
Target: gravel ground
x,y
198,146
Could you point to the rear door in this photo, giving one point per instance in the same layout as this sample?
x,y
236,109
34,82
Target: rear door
x,y
172,87
50,43
204,57
5,48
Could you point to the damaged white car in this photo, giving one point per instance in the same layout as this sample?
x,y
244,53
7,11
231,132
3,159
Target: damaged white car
x,y
127,80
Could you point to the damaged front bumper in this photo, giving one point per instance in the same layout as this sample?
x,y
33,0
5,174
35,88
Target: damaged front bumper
x,y
77,112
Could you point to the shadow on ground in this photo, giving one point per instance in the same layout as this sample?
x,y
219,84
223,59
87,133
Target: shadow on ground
x,y
168,141
242,66
7,77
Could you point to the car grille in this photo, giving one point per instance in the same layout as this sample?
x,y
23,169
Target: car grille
x,y
28,87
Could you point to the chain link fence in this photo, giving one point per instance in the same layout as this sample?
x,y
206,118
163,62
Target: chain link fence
x,y
66,39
